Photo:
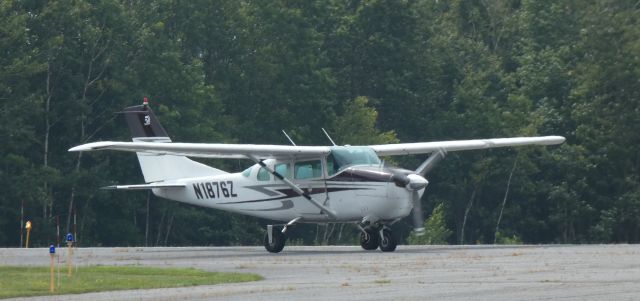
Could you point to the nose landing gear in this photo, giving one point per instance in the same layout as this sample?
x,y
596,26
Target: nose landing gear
x,y
388,241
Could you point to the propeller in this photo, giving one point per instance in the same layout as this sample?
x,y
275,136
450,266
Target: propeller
x,y
418,220
414,183
417,178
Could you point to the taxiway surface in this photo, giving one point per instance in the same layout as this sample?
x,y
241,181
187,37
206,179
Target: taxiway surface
x,y
554,272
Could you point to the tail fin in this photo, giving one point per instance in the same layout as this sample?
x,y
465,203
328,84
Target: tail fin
x,y
145,127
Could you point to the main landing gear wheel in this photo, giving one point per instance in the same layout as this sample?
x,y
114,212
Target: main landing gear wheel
x,y
277,241
388,241
369,239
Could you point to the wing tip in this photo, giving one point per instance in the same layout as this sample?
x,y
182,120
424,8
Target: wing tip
x,y
79,148
557,139
91,146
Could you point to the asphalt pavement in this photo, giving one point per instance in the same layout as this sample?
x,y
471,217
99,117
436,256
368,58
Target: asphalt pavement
x,y
545,272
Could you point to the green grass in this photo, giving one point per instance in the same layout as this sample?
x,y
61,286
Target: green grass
x,y
18,281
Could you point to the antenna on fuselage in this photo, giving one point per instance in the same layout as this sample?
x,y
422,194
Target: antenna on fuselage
x,y
327,134
290,140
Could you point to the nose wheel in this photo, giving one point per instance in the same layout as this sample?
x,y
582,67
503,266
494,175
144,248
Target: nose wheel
x,y
388,241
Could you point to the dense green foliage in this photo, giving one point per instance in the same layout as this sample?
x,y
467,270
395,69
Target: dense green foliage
x,y
436,231
20,281
368,71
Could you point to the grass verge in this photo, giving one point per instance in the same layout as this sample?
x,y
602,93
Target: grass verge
x,y
17,281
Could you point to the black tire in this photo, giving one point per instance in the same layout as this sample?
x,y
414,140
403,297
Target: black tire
x,y
369,240
277,243
388,242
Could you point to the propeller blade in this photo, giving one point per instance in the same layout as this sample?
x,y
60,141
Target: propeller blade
x,y
415,182
418,220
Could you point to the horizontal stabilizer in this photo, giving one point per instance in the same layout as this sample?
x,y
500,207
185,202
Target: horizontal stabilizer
x,y
145,186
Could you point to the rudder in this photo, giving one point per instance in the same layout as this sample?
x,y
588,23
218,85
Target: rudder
x,y
145,127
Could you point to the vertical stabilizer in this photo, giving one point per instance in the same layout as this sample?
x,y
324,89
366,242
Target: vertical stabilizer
x,y
145,127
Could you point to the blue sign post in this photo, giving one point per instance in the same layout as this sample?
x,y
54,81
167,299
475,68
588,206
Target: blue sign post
x,y
52,253
70,253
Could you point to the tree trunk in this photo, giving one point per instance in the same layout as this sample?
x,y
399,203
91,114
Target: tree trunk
x,y
89,81
466,213
504,200
328,232
159,234
340,232
324,236
166,236
146,227
48,201
84,216
73,187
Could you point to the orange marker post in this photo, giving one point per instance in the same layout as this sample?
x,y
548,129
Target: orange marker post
x,y
28,227
52,253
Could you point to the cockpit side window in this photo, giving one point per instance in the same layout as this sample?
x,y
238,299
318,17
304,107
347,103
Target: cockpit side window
x,y
283,169
332,165
308,169
342,157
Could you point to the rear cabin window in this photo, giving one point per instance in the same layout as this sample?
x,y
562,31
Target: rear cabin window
x,y
308,169
263,174
247,172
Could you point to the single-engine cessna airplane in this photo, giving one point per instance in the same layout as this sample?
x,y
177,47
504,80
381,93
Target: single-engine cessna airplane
x,y
293,184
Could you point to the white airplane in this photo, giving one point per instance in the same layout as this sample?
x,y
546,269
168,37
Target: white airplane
x,y
293,184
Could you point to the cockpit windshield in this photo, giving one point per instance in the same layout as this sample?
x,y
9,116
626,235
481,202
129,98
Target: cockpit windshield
x,y
342,157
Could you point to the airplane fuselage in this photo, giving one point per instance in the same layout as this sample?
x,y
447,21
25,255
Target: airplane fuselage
x,y
353,194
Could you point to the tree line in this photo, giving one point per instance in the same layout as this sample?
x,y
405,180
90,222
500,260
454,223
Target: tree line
x,y
369,71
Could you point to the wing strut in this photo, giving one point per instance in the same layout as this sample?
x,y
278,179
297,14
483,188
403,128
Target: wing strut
x,y
295,188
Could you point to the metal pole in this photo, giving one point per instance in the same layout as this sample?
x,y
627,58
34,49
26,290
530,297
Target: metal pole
x,y
21,222
57,231
69,258
75,228
51,279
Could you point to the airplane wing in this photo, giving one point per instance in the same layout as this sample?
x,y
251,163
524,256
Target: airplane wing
x,y
208,150
263,151
458,145
145,186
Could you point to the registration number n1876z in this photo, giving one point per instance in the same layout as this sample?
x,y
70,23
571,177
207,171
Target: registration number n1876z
x,y
213,190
